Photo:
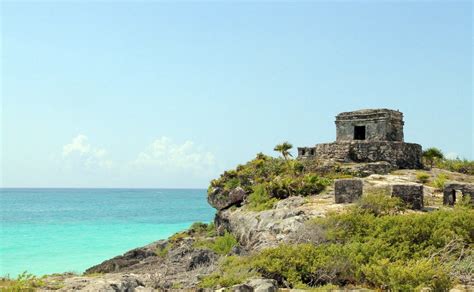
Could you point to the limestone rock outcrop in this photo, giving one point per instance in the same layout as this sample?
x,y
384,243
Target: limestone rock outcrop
x,y
222,199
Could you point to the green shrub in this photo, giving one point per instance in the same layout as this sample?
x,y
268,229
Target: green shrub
x,y
407,275
431,155
162,251
281,178
422,177
259,199
221,245
379,202
389,252
232,270
23,282
457,165
224,244
203,229
439,181
305,264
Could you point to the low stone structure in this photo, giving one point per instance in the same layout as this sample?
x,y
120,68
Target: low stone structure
x,y
411,194
452,191
368,136
347,190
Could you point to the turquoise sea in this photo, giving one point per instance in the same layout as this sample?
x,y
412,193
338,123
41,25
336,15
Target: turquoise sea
x,y
46,231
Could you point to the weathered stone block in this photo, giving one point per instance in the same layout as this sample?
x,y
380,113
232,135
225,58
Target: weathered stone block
x,y
452,190
411,194
347,190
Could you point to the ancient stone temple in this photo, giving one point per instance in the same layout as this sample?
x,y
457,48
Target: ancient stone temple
x,y
369,135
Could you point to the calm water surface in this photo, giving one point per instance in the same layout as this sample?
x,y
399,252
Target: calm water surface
x,y
47,231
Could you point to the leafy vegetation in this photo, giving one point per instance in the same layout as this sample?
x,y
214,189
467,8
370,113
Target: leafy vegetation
x,y
232,270
266,179
284,148
422,177
259,199
369,246
435,157
431,155
221,244
379,202
457,165
439,181
197,230
24,282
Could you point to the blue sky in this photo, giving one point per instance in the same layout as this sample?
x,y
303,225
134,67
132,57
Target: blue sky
x,y
161,94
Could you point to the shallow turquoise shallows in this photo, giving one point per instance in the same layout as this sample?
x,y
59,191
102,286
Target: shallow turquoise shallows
x,y
46,231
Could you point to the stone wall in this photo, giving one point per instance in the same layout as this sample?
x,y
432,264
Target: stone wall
x,y
347,190
380,125
398,154
410,194
451,188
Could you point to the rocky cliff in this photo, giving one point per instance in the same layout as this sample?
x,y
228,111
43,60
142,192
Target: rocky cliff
x,y
243,213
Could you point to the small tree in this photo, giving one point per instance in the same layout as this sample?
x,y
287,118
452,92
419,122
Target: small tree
x,y
284,148
431,154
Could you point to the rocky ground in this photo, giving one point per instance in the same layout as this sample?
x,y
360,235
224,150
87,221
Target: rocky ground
x,y
177,263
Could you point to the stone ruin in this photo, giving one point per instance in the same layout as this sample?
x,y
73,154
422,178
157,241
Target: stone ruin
x,y
347,190
370,135
350,190
411,194
453,190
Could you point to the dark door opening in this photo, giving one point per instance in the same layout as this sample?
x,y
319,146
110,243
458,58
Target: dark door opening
x,y
454,197
359,133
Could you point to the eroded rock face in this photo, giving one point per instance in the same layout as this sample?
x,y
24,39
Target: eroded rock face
x,y
180,266
126,260
257,230
221,199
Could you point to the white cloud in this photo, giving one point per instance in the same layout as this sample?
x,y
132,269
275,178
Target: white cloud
x,y
82,151
168,156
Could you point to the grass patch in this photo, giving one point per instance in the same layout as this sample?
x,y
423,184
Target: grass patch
x,y
23,282
457,165
259,199
439,181
232,270
379,202
221,244
422,177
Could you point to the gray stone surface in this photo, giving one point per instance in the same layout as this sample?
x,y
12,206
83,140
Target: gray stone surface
x,y
221,199
347,190
410,193
452,190
268,228
263,285
367,168
382,141
380,125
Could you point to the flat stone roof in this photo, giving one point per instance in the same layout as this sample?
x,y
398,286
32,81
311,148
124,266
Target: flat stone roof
x,y
369,114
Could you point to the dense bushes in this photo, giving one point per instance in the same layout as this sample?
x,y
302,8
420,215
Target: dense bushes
x,y
397,252
379,202
457,165
266,178
24,282
220,244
